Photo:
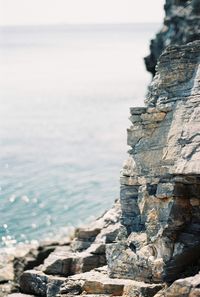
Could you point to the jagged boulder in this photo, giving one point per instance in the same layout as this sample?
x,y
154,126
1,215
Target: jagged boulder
x,y
65,262
87,250
103,230
35,282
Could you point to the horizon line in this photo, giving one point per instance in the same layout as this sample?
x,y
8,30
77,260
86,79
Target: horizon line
x,y
78,24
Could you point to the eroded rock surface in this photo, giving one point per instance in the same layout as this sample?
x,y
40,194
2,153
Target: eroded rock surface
x,y
160,181
86,252
98,282
184,287
181,26
148,244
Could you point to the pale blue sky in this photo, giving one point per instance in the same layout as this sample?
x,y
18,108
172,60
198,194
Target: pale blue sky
x,y
19,12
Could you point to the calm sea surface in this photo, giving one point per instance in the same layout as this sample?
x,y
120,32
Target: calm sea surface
x,y
65,93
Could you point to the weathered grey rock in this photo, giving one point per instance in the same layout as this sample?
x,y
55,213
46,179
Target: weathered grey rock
x,y
37,283
153,235
188,287
98,282
68,260
181,25
59,262
73,287
102,230
141,290
13,261
33,258
64,262
8,256
160,187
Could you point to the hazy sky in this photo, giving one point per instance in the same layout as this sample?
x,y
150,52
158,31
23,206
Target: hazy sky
x,y
79,11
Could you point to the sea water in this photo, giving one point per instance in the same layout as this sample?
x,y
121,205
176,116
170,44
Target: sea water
x,y
65,93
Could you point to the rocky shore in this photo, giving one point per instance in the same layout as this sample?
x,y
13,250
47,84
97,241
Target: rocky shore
x,y
148,244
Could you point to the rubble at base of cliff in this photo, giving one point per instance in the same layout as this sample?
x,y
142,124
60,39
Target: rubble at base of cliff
x,y
78,267
64,269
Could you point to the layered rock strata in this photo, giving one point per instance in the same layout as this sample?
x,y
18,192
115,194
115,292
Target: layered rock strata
x,y
79,267
181,25
148,244
160,181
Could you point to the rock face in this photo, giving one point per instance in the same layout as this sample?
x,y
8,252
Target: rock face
x,y
160,181
148,244
181,25
189,286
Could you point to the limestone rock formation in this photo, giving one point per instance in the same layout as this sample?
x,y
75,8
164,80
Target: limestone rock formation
x,y
160,181
148,244
85,252
181,25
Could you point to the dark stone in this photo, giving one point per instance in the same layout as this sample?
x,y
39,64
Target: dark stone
x,y
130,211
132,247
180,263
196,6
151,189
34,258
181,25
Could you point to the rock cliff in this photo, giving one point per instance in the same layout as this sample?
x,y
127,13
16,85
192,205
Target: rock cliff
x,y
181,25
148,244
160,186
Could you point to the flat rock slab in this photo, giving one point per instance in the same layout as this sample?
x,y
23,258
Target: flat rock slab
x,y
143,289
59,262
98,282
64,262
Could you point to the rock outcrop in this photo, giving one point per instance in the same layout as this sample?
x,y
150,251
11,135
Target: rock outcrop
x,y
160,181
181,25
148,244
